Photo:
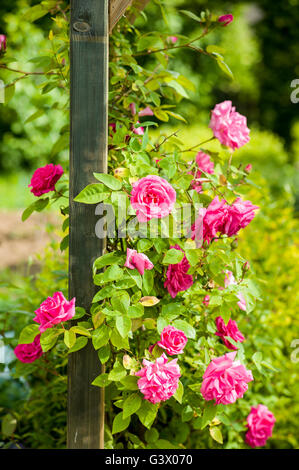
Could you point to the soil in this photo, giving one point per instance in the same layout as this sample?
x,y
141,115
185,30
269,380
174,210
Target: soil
x,y
21,240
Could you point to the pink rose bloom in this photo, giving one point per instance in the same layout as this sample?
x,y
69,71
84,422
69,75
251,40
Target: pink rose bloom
x,y
210,221
54,310
29,352
2,42
228,126
177,279
225,380
138,261
205,164
260,425
146,112
172,340
239,215
132,107
206,300
44,179
248,168
159,380
231,330
230,279
138,130
225,19
152,197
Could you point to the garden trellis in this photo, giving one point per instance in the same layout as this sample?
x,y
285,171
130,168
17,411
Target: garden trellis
x,y
91,21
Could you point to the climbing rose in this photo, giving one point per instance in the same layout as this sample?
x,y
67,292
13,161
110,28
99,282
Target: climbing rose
x,y
158,380
239,215
229,280
231,330
54,310
225,19
138,261
228,126
29,352
172,340
205,164
2,42
44,179
177,279
225,380
152,197
146,112
260,425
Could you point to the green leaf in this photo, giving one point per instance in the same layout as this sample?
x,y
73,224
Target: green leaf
x,y
118,372
216,434
257,358
108,180
38,206
62,143
28,334
173,256
178,88
135,311
69,338
104,353
8,425
117,340
191,15
178,395
92,194
81,330
113,273
224,67
123,325
144,244
48,339
100,336
186,328
151,435
147,413
121,301
101,381
9,92
109,259
35,115
131,404
64,243
80,343
209,413
148,281
104,293
119,423
130,382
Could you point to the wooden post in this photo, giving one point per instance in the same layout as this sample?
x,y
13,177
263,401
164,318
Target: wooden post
x,y
88,153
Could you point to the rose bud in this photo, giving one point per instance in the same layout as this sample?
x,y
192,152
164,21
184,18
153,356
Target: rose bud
x,y
2,42
225,19
248,168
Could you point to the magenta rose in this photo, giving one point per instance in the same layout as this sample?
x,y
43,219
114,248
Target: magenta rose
x,y
225,19
210,221
146,112
2,42
239,215
159,380
231,330
204,163
206,300
228,126
225,380
54,310
177,279
138,261
172,340
44,179
260,423
152,197
29,352
248,168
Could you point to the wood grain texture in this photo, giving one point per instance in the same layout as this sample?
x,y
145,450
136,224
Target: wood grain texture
x,y
88,154
116,10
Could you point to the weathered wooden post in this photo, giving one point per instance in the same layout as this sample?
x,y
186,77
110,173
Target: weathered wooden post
x,y
91,21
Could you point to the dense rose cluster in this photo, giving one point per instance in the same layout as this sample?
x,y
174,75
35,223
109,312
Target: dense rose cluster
x,y
159,380
260,423
54,310
225,380
177,279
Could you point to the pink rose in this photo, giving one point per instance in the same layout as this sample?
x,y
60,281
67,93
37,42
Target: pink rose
x,y
230,279
152,197
146,112
138,130
172,340
260,425
172,39
248,168
54,310
159,380
138,261
132,107
239,215
177,279
231,330
225,19
206,300
228,126
44,179
2,42
29,352
205,164
225,380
